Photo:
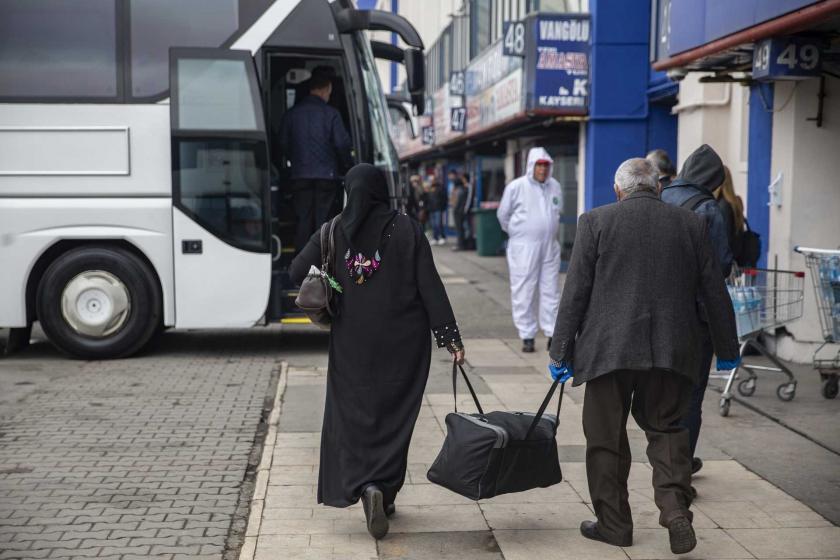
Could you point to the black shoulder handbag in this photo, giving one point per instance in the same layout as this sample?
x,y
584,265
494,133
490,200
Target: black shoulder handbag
x,y
486,455
316,294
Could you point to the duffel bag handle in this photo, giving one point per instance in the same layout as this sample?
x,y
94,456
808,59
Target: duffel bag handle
x,y
455,367
544,405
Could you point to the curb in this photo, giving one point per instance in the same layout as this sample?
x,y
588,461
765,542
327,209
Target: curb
x,y
252,530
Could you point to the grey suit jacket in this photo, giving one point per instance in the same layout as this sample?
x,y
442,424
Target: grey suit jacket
x,y
630,302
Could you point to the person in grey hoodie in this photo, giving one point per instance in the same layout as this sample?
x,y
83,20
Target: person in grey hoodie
x,y
693,189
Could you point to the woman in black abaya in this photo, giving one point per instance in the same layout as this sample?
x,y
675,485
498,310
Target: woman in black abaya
x,y
380,349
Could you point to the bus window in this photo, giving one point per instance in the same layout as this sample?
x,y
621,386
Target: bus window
x,y
384,153
54,49
158,24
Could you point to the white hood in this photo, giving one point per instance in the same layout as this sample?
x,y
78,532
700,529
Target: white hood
x,y
534,155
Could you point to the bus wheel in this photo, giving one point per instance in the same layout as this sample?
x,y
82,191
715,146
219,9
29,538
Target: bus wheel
x,y
99,303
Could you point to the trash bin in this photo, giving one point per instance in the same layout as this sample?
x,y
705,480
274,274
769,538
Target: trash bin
x,y
488,233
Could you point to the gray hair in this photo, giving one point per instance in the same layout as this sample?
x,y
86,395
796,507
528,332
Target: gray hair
x,y
660,159
637,174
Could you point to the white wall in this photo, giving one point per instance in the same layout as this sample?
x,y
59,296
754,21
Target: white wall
x,y
717,115
808,158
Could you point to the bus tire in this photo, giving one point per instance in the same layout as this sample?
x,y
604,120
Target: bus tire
x,y
99,303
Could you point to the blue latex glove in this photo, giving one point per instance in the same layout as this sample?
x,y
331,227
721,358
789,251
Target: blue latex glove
x,y
727,365
561,373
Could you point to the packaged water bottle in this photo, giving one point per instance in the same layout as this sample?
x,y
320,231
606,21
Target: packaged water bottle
x,y
741,317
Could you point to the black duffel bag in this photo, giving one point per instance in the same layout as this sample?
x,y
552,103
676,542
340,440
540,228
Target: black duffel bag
x,y
486,455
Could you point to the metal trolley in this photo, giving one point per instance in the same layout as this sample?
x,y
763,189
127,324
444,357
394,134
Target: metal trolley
x,y
824,265
762,299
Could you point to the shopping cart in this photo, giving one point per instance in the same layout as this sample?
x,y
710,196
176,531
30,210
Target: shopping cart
x,y
763,299
824,265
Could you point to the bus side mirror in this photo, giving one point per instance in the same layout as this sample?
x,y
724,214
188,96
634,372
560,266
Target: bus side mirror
x,y
415,72
419,102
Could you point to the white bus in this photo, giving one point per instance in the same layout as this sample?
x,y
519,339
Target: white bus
x,y
141,186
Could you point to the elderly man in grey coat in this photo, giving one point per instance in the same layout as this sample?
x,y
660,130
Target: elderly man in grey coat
x,y
628,327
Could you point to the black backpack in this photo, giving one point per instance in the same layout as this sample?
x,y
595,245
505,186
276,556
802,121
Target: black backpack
x,y
748,247
488,454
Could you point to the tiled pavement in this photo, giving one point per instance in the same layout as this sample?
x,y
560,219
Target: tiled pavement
x,y
133,458
737,514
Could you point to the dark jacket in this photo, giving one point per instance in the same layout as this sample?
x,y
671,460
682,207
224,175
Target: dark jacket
x,y
703,173
436,199
637,270
314,140
460,195
734,237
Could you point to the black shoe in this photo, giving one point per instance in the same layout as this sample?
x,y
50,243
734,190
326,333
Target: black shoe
x,y
681,534
390,510
589,529
696,465
548,346
372,503
528,345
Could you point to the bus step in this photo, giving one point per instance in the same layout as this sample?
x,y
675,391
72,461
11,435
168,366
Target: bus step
x,y
295,320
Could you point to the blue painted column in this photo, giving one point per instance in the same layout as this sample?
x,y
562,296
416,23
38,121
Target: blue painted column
x,y
618,106
759,159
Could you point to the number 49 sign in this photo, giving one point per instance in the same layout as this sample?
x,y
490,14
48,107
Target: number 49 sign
x,y
786,58
514,38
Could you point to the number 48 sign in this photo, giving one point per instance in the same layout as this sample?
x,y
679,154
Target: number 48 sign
x,y
786,58
514,42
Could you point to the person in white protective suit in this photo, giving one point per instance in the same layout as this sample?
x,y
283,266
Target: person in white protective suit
x,y
530,214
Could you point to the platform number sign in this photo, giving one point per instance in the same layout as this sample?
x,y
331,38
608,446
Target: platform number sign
x,y
786,58
514,42
458,119
428,133
457,83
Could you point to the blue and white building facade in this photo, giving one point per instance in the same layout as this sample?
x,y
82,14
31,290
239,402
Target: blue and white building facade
x,y
599,81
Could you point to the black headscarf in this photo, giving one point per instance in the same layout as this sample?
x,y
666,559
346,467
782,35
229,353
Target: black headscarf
x,y
367,205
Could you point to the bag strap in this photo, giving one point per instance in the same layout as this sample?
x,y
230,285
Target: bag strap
x,y
331,245
455,367
544,405
324,246
696,200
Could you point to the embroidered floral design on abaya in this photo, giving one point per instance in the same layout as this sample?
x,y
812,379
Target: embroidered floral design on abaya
x,y
360,267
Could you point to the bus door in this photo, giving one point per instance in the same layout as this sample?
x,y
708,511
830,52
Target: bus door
x,y
286,83
220,189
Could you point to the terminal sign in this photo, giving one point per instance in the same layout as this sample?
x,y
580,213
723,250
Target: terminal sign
x,y
561,78
791,58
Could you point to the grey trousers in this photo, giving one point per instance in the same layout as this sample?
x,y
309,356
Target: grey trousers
x,y
658,400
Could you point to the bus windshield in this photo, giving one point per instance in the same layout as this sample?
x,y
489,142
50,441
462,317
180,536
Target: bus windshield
x,y
384,153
